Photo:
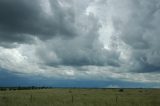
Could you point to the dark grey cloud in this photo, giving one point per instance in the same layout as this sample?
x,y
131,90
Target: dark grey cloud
x,y
21,19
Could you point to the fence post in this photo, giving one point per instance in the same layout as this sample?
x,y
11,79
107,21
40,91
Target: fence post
x,y
72,98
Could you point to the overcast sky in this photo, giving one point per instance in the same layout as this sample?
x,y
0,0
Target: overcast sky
x,y
82,43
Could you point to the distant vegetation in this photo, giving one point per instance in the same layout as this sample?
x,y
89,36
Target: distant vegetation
x,y
42,96
22,88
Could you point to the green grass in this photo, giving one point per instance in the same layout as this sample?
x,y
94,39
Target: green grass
x,y
81,97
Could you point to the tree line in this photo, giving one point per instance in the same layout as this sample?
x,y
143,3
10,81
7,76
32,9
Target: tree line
x,y
22,88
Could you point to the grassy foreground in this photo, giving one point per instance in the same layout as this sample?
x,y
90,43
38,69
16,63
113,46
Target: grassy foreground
x,y
81,97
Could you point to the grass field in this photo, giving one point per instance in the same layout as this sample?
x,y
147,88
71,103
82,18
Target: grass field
x,y
81,97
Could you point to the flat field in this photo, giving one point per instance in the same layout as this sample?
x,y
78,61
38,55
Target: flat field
x,y
81,97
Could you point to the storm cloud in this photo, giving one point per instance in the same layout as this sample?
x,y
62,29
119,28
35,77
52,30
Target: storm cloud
x,y
110,39
22,19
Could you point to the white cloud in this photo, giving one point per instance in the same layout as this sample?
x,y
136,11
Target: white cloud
x,y
112,86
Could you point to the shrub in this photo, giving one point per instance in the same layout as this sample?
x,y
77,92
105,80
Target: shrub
x,y
121,90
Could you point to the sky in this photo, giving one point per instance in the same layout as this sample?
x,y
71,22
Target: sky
x,y
80,43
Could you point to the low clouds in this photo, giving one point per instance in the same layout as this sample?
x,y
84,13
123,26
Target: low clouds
x,y
81,39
